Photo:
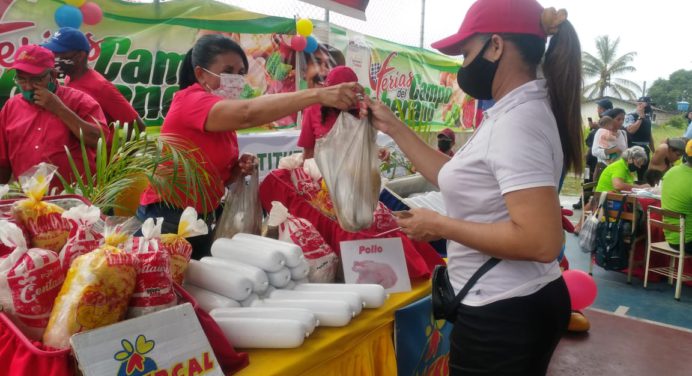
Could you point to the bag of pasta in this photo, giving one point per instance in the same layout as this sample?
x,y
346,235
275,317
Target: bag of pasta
x,y
97,288
242,211
154,286
29,282
347,159
47,228
83,237
177,247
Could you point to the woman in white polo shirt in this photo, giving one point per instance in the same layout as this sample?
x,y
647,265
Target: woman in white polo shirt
x,y
500,189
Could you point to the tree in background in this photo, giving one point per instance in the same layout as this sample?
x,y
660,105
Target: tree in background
x,y
605,66
678,87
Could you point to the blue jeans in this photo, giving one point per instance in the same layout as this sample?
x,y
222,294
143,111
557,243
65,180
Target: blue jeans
x,y
201,245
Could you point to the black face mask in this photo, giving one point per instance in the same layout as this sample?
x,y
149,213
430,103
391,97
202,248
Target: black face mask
x,y
476,79
632,167
444,145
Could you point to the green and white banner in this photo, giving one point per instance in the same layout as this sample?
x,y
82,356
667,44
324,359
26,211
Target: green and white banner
x,y
140,46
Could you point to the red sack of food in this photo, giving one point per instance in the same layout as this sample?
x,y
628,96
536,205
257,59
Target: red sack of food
x,y
84,237
30,279
154,286
43,220
177,247
322,259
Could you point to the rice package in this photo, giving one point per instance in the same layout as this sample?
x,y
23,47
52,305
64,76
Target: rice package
x,y
84,236
154,286
29,282
177,247
44,222
322,259
97,288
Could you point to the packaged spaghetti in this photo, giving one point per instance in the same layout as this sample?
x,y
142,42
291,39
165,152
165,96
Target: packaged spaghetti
x,y
97,288
46,227
83,237
179,249
154,286
29,282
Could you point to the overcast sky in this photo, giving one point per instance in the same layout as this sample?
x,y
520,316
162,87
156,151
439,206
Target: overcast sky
x,y
659,31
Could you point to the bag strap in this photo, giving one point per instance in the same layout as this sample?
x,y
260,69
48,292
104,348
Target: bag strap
x,y
472,281
601,200
622,207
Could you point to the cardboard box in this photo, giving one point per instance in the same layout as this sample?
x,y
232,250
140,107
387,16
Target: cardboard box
x,y
168,342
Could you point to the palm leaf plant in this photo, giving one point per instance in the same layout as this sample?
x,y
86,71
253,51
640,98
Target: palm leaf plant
x,y
169,164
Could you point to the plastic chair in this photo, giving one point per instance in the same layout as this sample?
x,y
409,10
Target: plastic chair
x,y
629,215
676,256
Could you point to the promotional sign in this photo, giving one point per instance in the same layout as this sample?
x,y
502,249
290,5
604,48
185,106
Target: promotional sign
x,y
166,343
379,261
140,47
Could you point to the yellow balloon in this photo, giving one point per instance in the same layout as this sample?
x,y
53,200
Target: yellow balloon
x,y
304,27
75,3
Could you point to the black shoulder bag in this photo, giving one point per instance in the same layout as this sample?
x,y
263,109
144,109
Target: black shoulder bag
x,y
444,303
611,251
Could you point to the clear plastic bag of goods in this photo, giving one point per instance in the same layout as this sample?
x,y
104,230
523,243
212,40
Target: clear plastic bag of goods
x,y
154,286
347,159
97,288
30,279
242,211
84,238
323,261
43,220
177,246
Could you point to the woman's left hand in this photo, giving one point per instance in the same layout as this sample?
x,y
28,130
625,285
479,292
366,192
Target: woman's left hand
x,y
419,224
247,164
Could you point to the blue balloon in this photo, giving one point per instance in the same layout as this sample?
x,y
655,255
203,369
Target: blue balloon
x,y
311,45
68,16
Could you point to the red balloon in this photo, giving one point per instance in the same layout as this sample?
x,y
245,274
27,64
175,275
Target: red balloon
x,y
582,288
91,13
298,42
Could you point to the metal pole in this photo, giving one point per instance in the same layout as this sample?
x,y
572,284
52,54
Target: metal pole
x,y
644,89
326,15
422,24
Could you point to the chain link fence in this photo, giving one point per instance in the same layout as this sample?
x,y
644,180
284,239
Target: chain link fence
x,y
394,20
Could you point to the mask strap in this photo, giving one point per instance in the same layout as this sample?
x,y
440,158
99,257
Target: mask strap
x,y
210,72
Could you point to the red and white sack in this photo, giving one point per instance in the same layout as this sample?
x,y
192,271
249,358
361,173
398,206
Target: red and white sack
x,y
83,237
323,261
154,286
177,247
30,280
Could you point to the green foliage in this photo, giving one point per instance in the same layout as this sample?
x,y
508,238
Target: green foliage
x,y
170,165
604,67
666,93
677,122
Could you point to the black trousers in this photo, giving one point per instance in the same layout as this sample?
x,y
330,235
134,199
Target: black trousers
x,y
515,336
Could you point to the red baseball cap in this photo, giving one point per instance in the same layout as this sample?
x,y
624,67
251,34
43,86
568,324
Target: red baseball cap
x,y
447,133
495,16
340,75
33,59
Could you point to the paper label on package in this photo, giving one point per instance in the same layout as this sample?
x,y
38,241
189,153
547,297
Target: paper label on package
x,y
165,343
379,261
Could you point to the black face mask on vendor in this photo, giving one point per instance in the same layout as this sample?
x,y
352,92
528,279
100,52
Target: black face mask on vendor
x,y
476,79
444,145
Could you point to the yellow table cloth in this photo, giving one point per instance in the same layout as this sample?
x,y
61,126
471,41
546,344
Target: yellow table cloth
x,y
363,347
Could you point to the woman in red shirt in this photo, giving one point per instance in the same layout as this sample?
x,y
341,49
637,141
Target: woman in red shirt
x,y
205,113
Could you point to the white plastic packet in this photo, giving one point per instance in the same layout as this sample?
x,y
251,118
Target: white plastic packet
x,y
347,159
83,237
242,211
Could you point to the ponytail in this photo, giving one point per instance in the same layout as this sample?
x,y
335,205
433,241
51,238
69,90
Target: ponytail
x,y
562,70
186,74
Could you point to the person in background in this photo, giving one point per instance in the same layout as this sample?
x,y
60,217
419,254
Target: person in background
x,y
618,176
676,195
688,132
609,142
602,106
513,317
638,126
445,141
207,113
667,153
71,49
37,124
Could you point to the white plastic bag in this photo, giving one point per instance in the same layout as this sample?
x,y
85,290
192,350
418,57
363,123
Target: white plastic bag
x,y
321,257
347,159
83,237
242,211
